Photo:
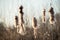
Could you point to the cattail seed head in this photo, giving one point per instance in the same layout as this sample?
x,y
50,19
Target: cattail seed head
x,y
43,16
51,15
21,14
16,20
34,22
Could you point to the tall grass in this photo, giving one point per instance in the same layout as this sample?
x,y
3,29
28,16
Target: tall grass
x,y
44,32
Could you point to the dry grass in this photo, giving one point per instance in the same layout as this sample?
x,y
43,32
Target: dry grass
x,y
44,32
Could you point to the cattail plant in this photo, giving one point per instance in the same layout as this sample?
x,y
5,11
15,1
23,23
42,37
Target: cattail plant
x,y
44,26
44,20
52,21
34,24
21,21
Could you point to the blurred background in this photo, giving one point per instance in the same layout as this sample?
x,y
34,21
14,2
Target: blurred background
x,y
31,8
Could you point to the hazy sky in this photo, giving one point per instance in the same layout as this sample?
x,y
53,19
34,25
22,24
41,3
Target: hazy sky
x,y
10,8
